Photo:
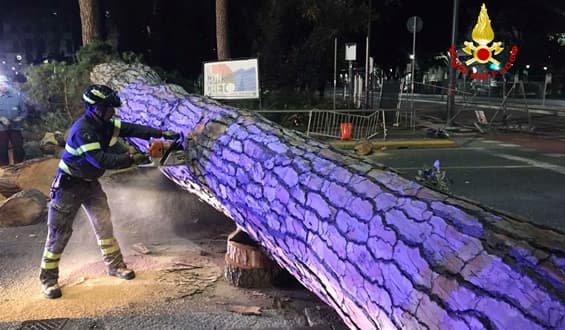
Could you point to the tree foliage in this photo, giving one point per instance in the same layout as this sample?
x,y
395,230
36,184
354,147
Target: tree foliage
x,y
296,39
54,89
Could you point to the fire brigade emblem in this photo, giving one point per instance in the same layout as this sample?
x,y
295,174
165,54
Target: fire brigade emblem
x,y
483,35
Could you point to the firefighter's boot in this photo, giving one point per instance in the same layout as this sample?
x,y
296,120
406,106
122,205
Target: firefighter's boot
x,y
114,260
51,290
122,272
50,274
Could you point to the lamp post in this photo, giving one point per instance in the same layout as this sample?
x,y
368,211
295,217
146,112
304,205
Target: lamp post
x,y
367,84
414,25
452,80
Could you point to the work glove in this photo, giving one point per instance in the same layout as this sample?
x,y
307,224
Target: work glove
x,y
4,121
139,158
170,135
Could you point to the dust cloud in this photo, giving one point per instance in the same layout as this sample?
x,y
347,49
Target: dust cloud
x,y
148,208
186,239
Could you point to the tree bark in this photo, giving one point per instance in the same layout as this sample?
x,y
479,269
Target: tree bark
x,y
90,18
247,265
222,30
383,251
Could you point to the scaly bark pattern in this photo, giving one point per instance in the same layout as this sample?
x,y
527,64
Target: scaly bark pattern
x,y
383,251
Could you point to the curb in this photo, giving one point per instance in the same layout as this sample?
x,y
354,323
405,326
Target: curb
x,y
400,144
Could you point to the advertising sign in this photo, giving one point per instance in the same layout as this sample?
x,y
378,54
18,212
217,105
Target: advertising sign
x,y
232,80
484,52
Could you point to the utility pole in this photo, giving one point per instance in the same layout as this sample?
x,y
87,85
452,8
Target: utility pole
x,y
452,79
367,80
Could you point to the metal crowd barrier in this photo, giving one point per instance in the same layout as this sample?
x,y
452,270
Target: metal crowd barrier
x,y
365,124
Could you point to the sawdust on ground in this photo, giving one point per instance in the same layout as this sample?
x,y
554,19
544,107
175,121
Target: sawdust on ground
x,y
89,292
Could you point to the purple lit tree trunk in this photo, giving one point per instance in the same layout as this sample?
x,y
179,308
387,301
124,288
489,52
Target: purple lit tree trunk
x,y
383,251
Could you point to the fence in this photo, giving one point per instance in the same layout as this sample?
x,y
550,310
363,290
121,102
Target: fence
x,y
510,104
366,124
328,124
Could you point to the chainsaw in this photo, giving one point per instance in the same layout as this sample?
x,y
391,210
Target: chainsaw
x,y
166,153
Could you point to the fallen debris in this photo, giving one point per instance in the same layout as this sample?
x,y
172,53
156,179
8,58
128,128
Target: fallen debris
x,y
141,248
244,310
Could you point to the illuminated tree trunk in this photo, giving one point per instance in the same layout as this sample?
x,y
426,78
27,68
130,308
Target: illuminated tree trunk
x,y
383,251
222,26
90,20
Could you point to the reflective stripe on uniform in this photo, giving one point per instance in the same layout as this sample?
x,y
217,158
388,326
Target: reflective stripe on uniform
x,y
83,148
50,265
107,241
51,255
64,167
116,134
110,250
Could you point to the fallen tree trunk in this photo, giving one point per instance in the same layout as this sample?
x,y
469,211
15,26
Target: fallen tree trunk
x,y
383,251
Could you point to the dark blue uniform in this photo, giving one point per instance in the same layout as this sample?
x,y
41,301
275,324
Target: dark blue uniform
x,y
85,159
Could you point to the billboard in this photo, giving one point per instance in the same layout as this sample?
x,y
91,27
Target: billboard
x,y
232,80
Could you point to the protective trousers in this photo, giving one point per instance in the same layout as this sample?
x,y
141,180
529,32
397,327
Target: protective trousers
x,y
68,194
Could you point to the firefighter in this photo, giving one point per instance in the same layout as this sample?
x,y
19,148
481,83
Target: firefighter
x,y
85,159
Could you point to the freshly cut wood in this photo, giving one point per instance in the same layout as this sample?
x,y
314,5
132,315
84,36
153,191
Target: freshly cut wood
x,y
383,251
8,187
25,208
31,174
247,265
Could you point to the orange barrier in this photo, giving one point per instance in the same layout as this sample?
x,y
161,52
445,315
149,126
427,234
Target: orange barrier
x,y
346,131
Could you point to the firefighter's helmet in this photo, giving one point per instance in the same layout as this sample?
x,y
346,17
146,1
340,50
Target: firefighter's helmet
x,y
101,94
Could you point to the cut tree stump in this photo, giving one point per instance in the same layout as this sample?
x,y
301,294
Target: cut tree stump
x,y
247,266
31,174
383,251
24,208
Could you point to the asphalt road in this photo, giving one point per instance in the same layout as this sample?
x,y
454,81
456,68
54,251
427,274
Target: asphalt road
x,y
520,174
147,208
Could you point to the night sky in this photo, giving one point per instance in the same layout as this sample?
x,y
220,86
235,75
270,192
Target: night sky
x,y
187,28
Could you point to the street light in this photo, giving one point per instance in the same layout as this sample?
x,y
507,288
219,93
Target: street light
x,y
452,73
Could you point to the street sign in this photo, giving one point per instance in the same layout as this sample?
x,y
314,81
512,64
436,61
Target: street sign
x,y
350,51
414,24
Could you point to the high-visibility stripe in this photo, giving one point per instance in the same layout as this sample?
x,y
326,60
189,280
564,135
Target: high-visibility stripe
x,y
110,250
64,167
83,148
89,147
51,255
88,99
106,241
116,133
50,265
71,150
98,93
